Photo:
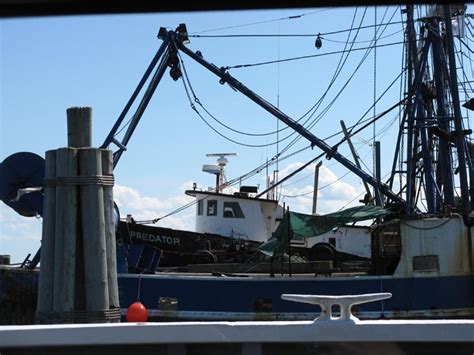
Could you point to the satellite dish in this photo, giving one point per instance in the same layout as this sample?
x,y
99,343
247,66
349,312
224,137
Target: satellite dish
x,y
211,169
21,180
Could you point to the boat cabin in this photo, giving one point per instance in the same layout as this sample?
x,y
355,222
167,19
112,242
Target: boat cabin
x,y
237,216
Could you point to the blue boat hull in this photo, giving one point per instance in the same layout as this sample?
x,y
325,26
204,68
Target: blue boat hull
x,y
186,297
247,298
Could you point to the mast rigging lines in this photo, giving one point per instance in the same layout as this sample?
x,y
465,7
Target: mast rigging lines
x,y
190,90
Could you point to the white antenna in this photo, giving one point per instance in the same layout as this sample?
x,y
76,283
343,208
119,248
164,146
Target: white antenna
x,y
218,170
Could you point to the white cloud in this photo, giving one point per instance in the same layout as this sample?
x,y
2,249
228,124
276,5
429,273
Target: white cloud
x,y
19,235
142,208
334,193
14,227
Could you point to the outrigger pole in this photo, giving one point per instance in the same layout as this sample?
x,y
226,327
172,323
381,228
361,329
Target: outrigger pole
x,y
163,53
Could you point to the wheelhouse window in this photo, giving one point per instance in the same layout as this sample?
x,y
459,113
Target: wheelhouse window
x,y
212,208
233,210
199,207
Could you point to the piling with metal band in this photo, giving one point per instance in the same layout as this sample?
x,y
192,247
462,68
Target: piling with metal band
x,y
78,280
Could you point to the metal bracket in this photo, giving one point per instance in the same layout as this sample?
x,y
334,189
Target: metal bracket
x,y
344,302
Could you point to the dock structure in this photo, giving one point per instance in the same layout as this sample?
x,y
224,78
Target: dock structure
x,y
332,333
246,338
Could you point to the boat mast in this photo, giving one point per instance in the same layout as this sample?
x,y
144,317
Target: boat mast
x,y
459,133
411,40
440,80
433,131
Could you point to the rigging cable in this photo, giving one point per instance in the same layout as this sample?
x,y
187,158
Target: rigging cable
x,y
293,34
326,109
374,161
262,22
364,41
320,188
256,170
403,82
239,66
198,101
459,55
245,133
193,203
335,75
358,196
185,80
276,171
219,121
340,65
351,77
337,71
232,129
186,206
367,123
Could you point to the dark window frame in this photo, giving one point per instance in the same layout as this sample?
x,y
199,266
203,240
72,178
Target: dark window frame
x,y
236,210
200,207
213,204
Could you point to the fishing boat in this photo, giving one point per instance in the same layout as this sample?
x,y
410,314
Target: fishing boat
x,y
229,229
421,246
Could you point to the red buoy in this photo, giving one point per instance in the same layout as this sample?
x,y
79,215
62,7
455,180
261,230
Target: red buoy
x,y
137,312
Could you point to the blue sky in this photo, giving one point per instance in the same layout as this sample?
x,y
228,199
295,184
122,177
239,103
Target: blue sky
x,y
50,64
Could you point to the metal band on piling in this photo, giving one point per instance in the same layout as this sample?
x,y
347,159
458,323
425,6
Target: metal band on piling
x,y
101,180
108,315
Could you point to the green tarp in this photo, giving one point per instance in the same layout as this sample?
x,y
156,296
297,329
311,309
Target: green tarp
x,y
302,226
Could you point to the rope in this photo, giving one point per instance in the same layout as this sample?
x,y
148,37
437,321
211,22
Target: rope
x,y
139,286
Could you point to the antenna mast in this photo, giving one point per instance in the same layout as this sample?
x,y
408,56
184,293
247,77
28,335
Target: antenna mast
x,y
221,162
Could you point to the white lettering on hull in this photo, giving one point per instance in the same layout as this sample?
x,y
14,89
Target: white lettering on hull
x,y
155,238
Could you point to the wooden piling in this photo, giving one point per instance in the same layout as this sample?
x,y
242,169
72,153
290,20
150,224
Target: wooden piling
x,y
107,170
93,228
78,252
46,280
79,127
65,232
